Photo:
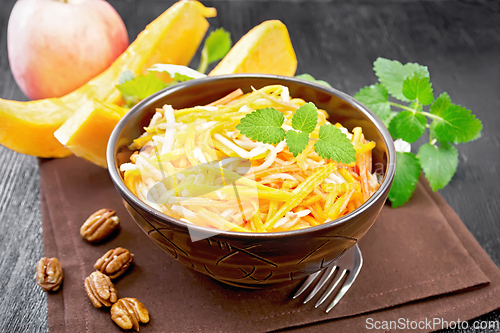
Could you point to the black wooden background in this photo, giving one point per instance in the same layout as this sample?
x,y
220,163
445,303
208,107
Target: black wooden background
x,y
336,41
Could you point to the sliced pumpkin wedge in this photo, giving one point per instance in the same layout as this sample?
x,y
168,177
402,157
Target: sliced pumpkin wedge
x,y
86,132
266,49
29,128
173,37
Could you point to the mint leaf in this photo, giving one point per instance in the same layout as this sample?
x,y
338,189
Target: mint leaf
x,y
263,125
376,98
296,142
405,178
125,76
439,163
392,74
408,126
142,86
305,118
309,77
389,118
418,87
441,103
393,127
217,45
455,124
333,144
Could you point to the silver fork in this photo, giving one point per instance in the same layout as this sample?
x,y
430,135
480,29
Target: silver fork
x,y
349,264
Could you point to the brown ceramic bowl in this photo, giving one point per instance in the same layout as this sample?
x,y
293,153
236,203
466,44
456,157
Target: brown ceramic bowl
x,y
254,259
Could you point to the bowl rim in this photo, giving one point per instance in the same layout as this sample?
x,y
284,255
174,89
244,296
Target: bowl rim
x,y
130,197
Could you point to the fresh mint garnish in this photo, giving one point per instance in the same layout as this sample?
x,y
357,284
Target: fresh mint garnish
x,y
455,124
309,77
142,86
296,142
333,144
138,88
264,125
392,74
376,98
439,163
417,87
405,178
305,118
441,103
408,126
449,124
134,89
216,46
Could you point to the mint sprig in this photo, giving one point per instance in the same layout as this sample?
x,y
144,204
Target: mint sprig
x,y
265,125
449,124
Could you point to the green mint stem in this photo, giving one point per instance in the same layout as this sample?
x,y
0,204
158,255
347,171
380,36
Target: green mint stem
x,y
427,114
202,68
415,110
432,116
402,107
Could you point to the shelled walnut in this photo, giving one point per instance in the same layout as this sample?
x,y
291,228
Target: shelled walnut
x,y
128,313
99,225
100,290
49,274
115,262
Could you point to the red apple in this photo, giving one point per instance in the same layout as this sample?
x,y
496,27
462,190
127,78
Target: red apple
x,y
56,46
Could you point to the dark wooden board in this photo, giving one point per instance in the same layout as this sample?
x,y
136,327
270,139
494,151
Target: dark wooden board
x,y
335,41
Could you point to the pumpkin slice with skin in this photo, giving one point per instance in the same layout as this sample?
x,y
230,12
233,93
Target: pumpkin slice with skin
x,y
173,37
266,49
86,132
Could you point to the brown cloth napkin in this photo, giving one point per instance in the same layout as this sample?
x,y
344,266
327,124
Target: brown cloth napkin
x,y
420,263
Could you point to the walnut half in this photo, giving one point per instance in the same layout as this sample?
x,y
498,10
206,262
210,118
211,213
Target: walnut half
x,y
128,313
49,274
100,290
99,225
114,262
